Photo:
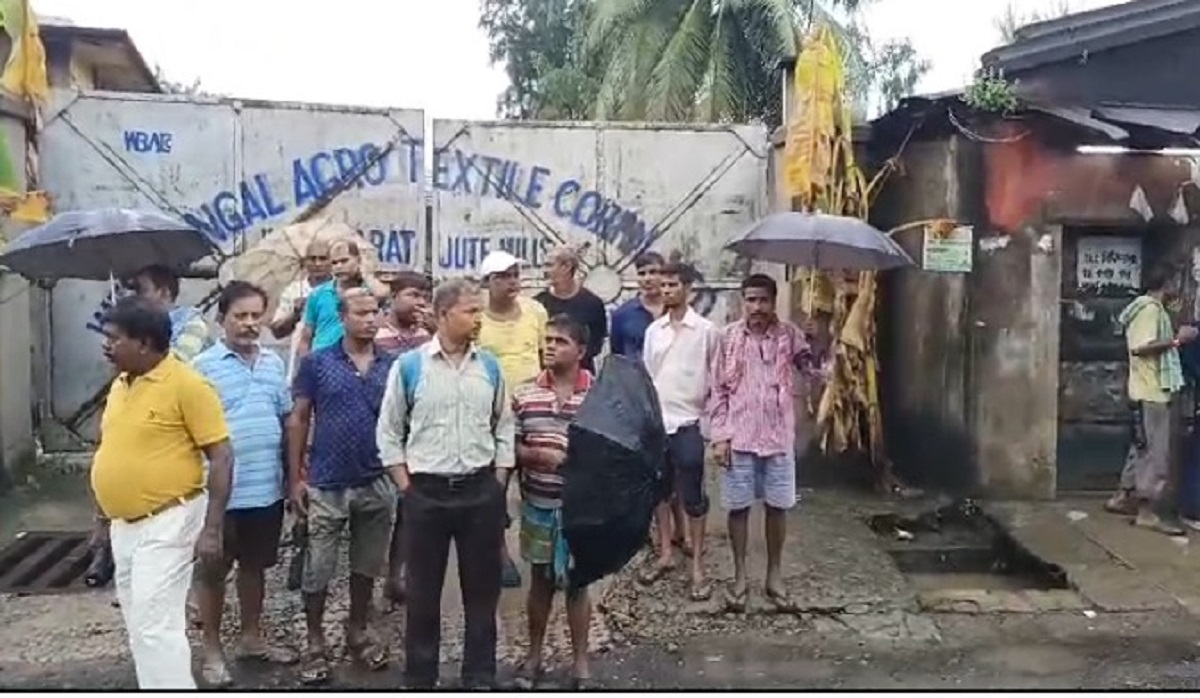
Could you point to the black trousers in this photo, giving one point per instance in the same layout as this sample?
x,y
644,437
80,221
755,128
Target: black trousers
x,y
470,512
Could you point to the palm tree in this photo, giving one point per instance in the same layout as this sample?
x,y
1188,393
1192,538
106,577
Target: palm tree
x,y
698,60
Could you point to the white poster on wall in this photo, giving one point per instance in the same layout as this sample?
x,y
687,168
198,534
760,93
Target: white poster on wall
x,y
1104,262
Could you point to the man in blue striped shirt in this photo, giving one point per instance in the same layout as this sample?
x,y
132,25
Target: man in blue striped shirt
x,y
253,386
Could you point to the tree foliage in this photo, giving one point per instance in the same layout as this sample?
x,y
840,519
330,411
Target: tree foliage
x,y
676,60
539,42
1010,21
169,86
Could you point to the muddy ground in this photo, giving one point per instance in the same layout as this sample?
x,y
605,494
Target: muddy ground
x,y
858,624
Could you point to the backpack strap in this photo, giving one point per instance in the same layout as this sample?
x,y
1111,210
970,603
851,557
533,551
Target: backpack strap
x,y
492,365
410,374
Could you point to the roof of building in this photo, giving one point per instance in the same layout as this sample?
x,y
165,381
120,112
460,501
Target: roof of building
x,y
112,51
1124,124
1074,36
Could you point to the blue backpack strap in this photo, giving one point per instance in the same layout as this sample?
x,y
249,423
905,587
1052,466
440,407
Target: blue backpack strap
x,y
410,374
492,365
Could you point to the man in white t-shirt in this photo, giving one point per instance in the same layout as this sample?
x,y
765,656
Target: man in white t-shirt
x,y
289,314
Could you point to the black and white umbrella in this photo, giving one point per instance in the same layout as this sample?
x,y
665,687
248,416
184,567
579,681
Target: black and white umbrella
x,y
105,243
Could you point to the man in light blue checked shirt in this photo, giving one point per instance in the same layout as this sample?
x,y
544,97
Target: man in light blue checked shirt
x,y
254,391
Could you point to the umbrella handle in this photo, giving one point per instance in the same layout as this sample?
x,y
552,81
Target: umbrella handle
x,y
810,288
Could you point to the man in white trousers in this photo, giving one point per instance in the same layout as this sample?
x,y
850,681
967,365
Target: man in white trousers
x,y
160,422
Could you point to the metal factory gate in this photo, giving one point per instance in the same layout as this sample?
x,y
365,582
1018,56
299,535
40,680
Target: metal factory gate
x,y
238,168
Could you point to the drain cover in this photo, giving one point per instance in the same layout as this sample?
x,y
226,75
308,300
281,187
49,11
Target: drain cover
x,y
40,562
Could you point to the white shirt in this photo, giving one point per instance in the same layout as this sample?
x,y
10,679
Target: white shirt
x,y
296,290
678,359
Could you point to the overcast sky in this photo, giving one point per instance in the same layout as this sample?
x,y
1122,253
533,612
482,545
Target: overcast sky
x,y
430,54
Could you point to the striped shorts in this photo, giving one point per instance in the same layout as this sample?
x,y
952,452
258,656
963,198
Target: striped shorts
x,y
770,479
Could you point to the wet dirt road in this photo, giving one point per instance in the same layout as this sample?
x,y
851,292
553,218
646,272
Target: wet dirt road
x,y
1032,658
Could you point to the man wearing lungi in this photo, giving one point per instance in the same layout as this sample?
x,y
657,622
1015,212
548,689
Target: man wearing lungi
x,y
543,408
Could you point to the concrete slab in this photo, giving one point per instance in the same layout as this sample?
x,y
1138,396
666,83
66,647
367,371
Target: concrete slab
x,y
1112,564
974,601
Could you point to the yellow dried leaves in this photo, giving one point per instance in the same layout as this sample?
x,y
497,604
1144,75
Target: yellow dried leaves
x,y
821,175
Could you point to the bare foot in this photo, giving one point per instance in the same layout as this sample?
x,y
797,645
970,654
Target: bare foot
x,y
214,671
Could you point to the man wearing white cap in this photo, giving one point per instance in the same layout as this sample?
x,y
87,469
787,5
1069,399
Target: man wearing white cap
x,y
513,329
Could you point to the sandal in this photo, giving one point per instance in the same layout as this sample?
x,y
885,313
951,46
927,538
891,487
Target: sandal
x,y
527,679
370,654
266,653
779,600
652,574
701,592
737,601
314,668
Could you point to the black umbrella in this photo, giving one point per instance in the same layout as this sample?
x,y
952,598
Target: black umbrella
x,y
613,475
105,243
820,241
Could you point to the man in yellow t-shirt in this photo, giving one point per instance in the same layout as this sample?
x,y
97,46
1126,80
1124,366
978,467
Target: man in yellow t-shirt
x,y
160,422
1155,376
514,329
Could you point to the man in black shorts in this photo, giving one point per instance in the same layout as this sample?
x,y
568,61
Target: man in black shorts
x,y
253,386
678,352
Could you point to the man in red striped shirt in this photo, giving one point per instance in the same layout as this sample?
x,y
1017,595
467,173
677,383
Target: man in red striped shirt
x,y
752,421
543,409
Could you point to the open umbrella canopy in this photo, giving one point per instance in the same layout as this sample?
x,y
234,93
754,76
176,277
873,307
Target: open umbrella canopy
x,y
820,241
278,258
104,243
613,475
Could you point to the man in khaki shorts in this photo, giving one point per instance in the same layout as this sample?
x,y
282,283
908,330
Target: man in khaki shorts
x,y
338,393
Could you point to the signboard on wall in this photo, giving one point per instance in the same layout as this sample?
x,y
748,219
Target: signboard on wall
x,y
1109,263
951,253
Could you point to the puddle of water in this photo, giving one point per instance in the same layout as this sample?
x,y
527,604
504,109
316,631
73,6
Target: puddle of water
x,y
960,547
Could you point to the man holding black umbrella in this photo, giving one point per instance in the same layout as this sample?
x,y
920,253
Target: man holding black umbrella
x,y
543,409
159,284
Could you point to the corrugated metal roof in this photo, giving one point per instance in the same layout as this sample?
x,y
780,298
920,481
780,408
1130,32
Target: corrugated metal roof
x,y
1091,32
1082,116
1113,121
1182,121
1090,17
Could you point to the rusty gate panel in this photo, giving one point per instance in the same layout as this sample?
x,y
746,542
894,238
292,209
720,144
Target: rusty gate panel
x,y
615,189
234,168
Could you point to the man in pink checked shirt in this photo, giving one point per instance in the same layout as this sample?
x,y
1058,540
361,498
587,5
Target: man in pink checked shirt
x,y
752,421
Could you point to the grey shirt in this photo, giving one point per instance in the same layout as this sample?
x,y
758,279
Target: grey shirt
x,y
450,429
